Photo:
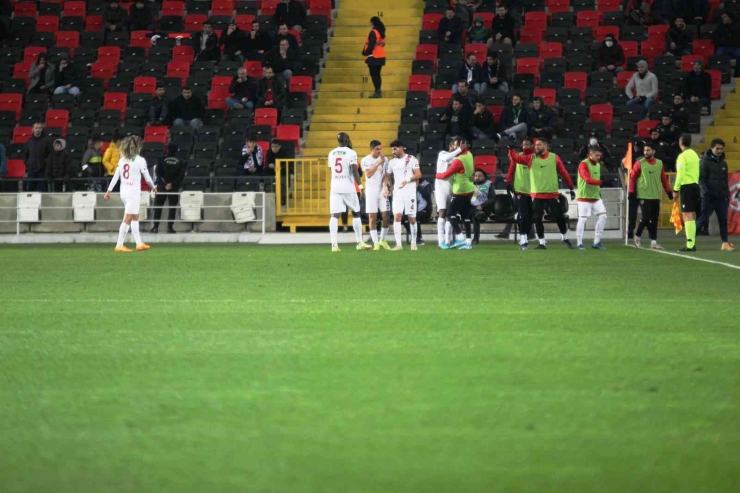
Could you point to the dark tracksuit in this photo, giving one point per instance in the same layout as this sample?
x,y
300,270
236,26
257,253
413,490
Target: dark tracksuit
x,y
38,150
167,170
715,191
485,198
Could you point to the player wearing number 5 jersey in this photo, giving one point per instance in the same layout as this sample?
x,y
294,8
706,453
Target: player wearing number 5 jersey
x,y
406,174
345,184
131,168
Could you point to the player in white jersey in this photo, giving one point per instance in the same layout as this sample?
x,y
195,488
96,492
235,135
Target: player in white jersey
x,y
406,174
131,167
443,192
345,184
375,167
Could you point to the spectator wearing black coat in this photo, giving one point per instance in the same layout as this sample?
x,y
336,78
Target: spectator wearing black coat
x,y
233,41
503,27
66,80
514,119
292,13
59,167
283,61
642,13
679,113
242,91
698,85
483,122
141,17
470,72
169,172
450,27
270,91
458,118
541,119
205,45
114,18
715,190
38,149
669,131
678,39
494,74
467,95
275,152
282,33
610,56
258,42
187,109
727,40
159,106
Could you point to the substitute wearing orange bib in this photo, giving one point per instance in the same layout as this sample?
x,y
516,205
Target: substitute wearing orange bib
x,y
374,53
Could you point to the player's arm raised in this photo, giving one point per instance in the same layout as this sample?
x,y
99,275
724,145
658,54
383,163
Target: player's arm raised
x,y
113,182
517,158
372,170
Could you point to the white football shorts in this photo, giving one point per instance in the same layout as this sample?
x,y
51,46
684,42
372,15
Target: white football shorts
x,y
442,194
340,202
375,202
131,203
585,209
404,203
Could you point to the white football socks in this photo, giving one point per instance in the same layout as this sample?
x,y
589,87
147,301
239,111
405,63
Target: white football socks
x,y
580,229
374,235
122,232
523,239
333,229
448,231
600,225
135,231
357,226
413,233
397,233
441,230
383,233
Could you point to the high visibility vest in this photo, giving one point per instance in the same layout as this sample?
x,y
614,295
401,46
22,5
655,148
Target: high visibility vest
x,y
379,50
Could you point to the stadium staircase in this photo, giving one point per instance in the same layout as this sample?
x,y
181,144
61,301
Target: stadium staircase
x,y
342,101
727,127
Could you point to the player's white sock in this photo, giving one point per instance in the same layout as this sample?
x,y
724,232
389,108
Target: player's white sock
x,y
523,239
441,230
374,235
135,231
469,241
563,236
580,228
333,229
397,233
122,232
448,231
653,242
383,233
414,227
357,226
600,225
542,241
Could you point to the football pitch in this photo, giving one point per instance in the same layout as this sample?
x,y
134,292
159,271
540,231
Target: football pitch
x,y
289,369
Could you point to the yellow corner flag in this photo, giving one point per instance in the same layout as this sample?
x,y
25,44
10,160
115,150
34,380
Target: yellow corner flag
x,y
676,217
627,160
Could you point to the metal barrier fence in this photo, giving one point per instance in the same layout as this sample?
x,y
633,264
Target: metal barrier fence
x,y
303,186
34,212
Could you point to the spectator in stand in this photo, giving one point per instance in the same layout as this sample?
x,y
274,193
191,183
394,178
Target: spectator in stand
x,y
242,91
3,162
663,151
593,142
270,92
233,40
610,57
187,109
374,53
258,42
92,164
282,33
450,27
482,203
141,17
168,175
679,113
205,45
66,80
483,122
59,169
541,119
669,132
42,76
475,4
698,85
469,97
274,153
503,27
464,12
494,74
678,39
479,34
114,18
727,40
458,118
470,72
514,119
282,60
112,154
642,13
159,106
292,13
642,87
38,149
715,190
250,162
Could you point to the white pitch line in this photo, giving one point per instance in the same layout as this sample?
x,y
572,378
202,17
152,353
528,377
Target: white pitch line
x,y
731,266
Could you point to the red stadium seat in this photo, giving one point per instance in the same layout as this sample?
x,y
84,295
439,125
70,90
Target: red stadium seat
x,y
609,5
244,21
645,126
31,53
21,70
576,80
558,6
601,32
430,22
716,92
658,31
221,82
649,52
194,22
12,102
103,70
529,66
440,98
156,133
325,11
217,101
116,101
16,168
109,54
496,110
266,116
47,24
548,95
420,83
58,119
269,7
226,8
179,69
170,8
487,164
94,23
254,69
302,84
631,48
487,18
588,18
145,85
68,39
535,20
479,50
318,4
22,134
24,9
703,47
291,133
687,62
183,53
533,36
603,113
75,9
427,52
141,39
623,79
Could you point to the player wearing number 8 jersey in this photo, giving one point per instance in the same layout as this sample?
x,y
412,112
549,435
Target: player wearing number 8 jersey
x,y
345,184
131,168
406,173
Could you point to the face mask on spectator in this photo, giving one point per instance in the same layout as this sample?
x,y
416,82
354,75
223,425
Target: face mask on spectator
x,y
609,44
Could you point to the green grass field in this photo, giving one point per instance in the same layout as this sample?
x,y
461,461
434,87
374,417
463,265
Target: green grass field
x,y
291,369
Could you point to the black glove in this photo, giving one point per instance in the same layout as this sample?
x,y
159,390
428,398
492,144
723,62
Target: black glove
x,y
510,189
572,195
670,195
512,145
633,197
